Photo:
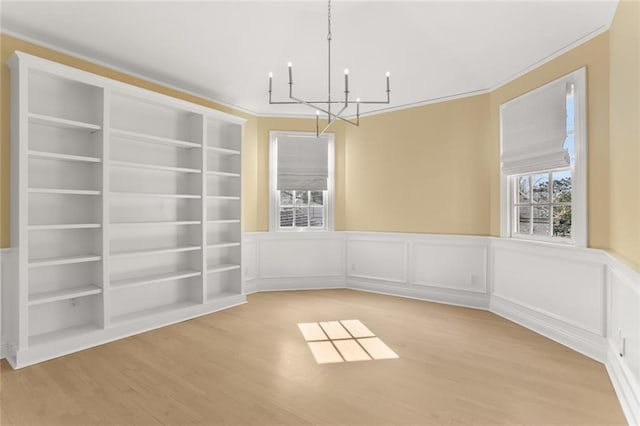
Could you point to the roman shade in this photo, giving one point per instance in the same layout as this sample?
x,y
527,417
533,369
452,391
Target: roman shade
x,y
302,163
534,128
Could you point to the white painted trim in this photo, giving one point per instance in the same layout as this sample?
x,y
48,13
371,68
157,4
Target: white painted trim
x,y
625,386
273,179
579,169
556,329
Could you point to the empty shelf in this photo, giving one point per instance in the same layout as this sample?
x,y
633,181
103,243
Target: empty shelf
x,y
152,279
65,157
52,261
228,174
48,120
146,166
154,251
160,223
65,333
133,316
223,197
223,150
154,195
224,221
221,295
64,191
65,294
64,226
142,137
223,244
222,267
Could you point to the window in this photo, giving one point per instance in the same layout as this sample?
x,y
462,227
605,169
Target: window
x,y
301,181
543,199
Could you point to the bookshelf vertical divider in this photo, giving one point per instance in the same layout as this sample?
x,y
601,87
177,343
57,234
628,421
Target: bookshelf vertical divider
x,y
117,226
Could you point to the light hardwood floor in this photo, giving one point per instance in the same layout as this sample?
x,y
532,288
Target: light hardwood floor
x,y
250,365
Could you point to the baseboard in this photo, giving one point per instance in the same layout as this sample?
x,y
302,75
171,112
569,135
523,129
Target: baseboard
x,y
4,350
627,389
449,297
580,340
302,283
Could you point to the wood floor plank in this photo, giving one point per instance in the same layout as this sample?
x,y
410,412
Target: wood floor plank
x,y
251,365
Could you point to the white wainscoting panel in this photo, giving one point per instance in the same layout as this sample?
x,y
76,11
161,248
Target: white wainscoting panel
x,y
623,322
556,291
377,257
295,260
458,266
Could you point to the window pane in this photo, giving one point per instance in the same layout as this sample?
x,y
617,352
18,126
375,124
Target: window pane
x,y
524,189
540,184
562,187
302,198
541,220
286,217
523,224
562,221
315,216
286,198
317,198
302,216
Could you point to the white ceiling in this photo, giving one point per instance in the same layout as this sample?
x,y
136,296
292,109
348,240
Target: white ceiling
x,y
225,50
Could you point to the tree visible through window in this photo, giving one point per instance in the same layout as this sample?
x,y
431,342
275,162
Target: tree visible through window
x,y
543,201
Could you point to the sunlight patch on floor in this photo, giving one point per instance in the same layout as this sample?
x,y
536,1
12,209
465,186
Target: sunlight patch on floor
x,y
345,340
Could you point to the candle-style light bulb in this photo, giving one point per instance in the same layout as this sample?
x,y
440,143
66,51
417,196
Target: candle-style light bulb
x,y
317,112
358,100
290,65
388,74
346,80
270,81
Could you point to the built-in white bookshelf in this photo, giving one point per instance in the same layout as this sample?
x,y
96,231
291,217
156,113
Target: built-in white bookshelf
x,y
126,209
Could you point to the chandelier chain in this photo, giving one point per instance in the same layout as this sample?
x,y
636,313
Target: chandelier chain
x,y
329,21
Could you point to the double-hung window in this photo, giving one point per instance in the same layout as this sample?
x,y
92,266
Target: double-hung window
x,y
301,181
543,141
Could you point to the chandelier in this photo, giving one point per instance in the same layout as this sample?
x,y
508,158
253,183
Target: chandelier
x,y
325,106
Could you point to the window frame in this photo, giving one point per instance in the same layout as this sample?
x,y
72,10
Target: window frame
x,y
579,233
274,200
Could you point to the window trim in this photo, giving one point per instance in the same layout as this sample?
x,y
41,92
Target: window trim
x,y
274,225
579,219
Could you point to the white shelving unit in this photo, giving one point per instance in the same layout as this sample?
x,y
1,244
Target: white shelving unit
x,y
125,210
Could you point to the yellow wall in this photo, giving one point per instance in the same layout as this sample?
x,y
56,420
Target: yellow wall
x,y
10,44
593,54
420,170
624,158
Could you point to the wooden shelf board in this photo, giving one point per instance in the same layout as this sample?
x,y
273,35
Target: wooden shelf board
x,y
64,157
64,191
67,260
65,294
219,173
153,279
155,167
133,316
223,150
154,251
223,244
65,333
211,269
153,195
142,137
48,120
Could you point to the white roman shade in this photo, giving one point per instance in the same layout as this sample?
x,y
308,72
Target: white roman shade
x,y
302,163
534,128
